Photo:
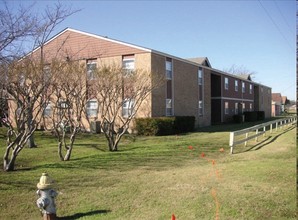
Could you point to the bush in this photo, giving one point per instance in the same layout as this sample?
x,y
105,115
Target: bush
x,y
251,116
155,126
184,124
260,115
238,118
164,125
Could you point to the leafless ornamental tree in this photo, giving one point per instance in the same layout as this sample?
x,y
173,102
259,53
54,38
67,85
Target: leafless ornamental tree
x,y
68,101
120,94
23,85
25,90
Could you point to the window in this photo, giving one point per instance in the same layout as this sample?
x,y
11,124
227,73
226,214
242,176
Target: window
x,y
243,107
243,87
169,111
250,106
91,68
169,69
226,83
46,73
226,108
127,107
236,85
128,64
63,104
236,108
250,88
200,76
48,110
200,107
92,108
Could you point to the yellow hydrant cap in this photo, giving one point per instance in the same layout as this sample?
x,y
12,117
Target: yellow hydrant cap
x,y
45,182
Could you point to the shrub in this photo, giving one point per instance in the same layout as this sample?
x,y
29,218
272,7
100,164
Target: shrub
x,y
251,116
184,124
238,118
155,126
260,115
164,125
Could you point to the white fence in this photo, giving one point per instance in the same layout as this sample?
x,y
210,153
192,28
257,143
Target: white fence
x,y
244,135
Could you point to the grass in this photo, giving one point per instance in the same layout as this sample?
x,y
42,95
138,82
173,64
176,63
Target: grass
x,y
152,178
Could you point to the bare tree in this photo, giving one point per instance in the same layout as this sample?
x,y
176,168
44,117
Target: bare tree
x,y
14,29
24,91
67,104
120,94
23,84
241,71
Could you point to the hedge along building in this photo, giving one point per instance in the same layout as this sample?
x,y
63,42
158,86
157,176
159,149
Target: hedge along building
x,y
191,88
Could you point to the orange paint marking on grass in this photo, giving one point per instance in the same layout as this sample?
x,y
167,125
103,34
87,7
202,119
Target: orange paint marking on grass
x,y
213,193
173,217
214,172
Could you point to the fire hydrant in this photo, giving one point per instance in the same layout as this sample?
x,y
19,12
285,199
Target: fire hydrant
x,y
46,202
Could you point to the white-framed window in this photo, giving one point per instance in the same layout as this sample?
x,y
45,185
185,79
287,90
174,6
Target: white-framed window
x,y
169,109
169,69
92,108
226,83
236,85
200,108
243,107
200,76
63,104
128,107
250,106
226,108
243,87
91,68
236,108
48,110
128,64
250,88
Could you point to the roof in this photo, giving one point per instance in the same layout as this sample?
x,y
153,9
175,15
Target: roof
x,y
244,76
276,97
284,99
200,60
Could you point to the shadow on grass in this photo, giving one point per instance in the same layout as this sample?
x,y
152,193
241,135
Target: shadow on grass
x,y
228,127
266,141
80,215
121,161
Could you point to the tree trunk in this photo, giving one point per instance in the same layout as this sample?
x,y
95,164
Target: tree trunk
x,y
68,154
8,165
30,142
60,150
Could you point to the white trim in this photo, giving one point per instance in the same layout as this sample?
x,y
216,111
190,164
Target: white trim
x,y
235,99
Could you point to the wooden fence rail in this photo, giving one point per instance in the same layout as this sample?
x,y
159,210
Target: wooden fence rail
x,y
258,130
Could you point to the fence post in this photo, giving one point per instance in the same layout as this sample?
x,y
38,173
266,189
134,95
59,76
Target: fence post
x,y
270,128
246,136
257,131
264,129
231,142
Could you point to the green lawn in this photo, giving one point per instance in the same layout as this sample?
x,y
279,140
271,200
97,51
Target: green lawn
x,y
151,178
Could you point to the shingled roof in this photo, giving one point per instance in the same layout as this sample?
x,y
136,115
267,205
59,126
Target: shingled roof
x,y
200,60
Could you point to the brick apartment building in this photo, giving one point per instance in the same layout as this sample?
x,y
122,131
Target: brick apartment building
x,y
192,88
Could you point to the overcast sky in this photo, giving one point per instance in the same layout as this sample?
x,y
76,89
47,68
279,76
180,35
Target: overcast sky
x,y
257,35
